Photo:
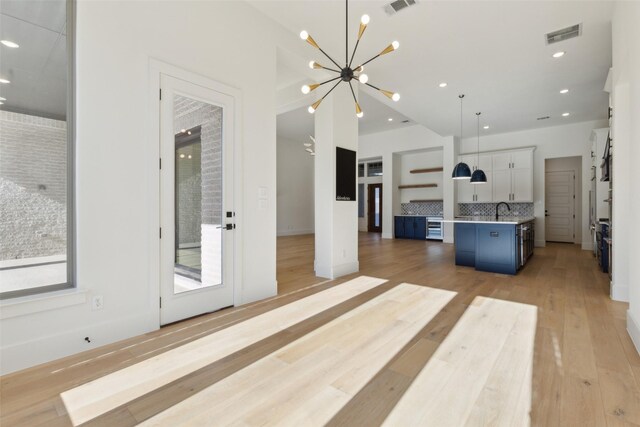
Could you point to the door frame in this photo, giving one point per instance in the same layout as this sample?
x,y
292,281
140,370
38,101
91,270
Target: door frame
x,y
371,202
156,69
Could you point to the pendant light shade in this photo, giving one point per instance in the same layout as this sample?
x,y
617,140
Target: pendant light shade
x,y
461,170
478,176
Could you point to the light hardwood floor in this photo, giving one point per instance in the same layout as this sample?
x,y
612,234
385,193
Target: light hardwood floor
x,y
585,369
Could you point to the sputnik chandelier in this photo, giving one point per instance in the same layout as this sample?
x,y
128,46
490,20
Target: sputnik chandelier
x,y
347,73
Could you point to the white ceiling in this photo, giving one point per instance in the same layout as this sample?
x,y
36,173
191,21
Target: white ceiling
x,y
492,51
38,68
296,125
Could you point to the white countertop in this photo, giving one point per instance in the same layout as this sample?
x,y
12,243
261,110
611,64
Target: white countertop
x,y
492,220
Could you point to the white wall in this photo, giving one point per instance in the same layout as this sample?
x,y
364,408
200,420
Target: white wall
x,y
558,141
573,164
295,209
389,145
116,222
421,160
626,157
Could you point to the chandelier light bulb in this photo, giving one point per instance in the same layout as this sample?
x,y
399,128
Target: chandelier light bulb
x,y
312,64
359,115
395,44
305,89
364,20
311,110
4,81
396,97
13,45
363,78
304,35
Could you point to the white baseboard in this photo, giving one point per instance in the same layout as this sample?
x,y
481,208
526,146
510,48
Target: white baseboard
x,y
294,232
22,355
619,292
387,236
346,268
587,246
540,243
633,328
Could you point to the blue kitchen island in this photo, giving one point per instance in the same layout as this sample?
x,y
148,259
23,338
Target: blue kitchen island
x,y
498,246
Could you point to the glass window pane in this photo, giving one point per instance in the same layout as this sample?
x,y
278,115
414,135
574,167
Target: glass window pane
x,y
374,169
361,200
33,147
360,170
198,194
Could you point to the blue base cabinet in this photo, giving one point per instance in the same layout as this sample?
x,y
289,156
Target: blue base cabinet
x,y
487,247
465,238
409,227
496,248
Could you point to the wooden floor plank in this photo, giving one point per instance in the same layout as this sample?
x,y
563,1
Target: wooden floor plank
x,y
488,356
88,401
323,369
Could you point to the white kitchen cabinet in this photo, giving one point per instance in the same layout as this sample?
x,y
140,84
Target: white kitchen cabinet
x,y
481,193
509,177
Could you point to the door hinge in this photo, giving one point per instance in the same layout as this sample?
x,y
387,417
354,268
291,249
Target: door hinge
x,y
160,302
160,163
160,94
161,232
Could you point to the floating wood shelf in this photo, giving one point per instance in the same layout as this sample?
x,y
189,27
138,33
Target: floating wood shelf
x,y
425,200
427,170
401,187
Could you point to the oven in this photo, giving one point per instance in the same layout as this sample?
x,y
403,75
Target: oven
x,y
435,229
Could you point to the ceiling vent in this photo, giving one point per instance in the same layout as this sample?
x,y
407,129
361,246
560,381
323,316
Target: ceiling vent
x,y
396,6
543,118
405,121
564,34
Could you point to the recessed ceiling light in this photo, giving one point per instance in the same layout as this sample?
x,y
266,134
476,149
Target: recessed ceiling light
x,y
565,114
182,156
1,103
486,127
443,84
558,54
564,91
5,81
189,156
390,119
9,43
2,99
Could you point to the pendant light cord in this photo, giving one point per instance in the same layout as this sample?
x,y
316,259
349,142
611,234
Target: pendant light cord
x,y
461,96
478,115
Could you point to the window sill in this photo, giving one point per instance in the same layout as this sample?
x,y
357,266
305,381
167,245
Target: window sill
x,y
37,303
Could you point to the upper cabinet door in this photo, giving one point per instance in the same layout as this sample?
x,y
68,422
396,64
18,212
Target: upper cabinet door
x,y
501,185
501,161
522,185
522,159
465,191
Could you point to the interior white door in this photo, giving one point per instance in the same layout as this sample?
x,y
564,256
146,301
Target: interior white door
x,y
559,206
196,199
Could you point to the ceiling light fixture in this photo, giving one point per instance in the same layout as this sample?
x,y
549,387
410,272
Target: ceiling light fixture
x,y
461,170
182,156
563,91
390,119
443,84
558,54
486,127
566,114
347,73
2,99
5,81
1,103
478,176
9,43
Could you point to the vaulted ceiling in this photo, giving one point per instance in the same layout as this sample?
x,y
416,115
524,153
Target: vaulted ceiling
x,y
495,52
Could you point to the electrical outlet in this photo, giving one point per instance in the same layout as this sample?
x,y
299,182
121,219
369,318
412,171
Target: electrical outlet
x,y
97,303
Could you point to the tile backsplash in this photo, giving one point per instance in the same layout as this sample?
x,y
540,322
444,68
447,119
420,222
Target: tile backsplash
x,y
422,208
489,209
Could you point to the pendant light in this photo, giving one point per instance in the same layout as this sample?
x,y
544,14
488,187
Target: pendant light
x,y
461,170
347,73
478,177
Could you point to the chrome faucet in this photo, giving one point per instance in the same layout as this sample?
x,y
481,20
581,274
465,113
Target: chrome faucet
x,y
498,205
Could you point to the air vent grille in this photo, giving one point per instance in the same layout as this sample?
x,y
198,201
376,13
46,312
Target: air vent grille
x,y
543,118
396,6
564,34
405,121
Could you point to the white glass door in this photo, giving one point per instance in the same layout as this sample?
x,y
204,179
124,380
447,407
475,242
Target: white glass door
x,y
197,216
